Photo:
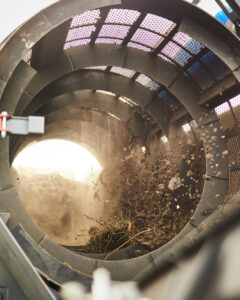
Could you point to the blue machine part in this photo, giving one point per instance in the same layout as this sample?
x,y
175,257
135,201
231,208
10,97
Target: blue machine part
x,y
222,17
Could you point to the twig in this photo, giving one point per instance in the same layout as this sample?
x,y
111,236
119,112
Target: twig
x,y
95,220
101,223
133,237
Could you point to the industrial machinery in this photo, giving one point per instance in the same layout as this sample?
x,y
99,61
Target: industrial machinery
x,y
167,60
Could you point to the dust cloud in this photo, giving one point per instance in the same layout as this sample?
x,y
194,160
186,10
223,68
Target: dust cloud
x,y
64,209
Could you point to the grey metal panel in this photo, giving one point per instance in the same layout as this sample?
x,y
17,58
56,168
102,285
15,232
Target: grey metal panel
x,y
160,113
188,94
45,263
36,125
43,78
25,126
45,53
9,288
16,85
20,266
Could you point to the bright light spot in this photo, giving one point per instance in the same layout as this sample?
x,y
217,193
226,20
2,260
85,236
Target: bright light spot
x,y
144,149
97,68
105,93
15,13
235,101
210,6
186,127
113,116
178,206
128,101
70,160
221,109
164,139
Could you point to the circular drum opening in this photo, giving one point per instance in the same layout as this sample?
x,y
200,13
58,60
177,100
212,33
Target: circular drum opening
x,y
155,185
57,181
143,195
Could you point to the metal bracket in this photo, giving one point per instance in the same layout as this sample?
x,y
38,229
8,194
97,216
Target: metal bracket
x,y
21,125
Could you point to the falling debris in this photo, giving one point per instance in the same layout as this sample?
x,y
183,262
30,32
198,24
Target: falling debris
x,y
144,149
161,186
189,173
174,183
206,177
209,156
225,153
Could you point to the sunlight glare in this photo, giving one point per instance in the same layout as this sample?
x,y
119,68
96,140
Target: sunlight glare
x,y
70,160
